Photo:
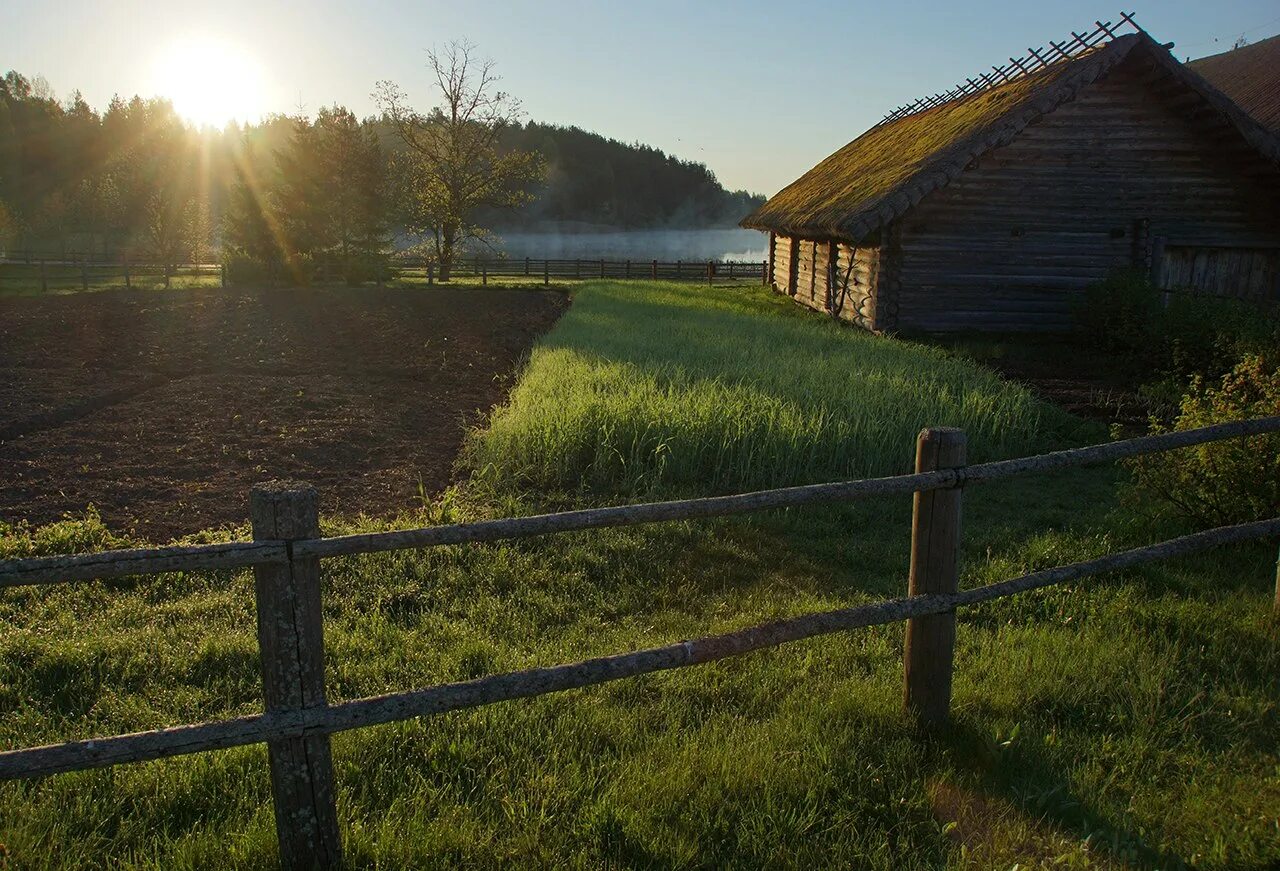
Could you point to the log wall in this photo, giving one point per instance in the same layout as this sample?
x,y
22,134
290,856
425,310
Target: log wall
x,y
1011,243
808,277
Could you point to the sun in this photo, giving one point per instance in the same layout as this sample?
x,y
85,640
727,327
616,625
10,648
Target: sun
x,y
209,80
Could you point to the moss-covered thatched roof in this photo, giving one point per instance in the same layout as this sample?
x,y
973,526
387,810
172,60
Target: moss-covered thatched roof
x,y
887,170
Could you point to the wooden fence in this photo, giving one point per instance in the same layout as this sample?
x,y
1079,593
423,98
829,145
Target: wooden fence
x,y
583,268
81,270
69,271
287,549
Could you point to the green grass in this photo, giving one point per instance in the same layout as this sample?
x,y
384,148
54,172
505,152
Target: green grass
x,y
1121,722
648,387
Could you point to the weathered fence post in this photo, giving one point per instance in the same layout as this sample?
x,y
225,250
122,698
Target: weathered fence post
x,y
935,557
654,267
484,271
602,267
711,273
546,272
526,266
291,641
127,283
628,268
577,272
764,272
679,264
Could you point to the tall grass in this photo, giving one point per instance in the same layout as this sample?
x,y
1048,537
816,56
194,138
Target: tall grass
x,y
659,386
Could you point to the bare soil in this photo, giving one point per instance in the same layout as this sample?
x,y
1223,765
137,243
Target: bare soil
x,y
163,409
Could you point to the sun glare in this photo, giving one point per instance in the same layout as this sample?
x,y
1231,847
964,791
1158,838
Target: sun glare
x,y
209,80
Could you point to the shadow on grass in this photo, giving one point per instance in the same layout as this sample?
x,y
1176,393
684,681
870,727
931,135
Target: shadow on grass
x,y
995,778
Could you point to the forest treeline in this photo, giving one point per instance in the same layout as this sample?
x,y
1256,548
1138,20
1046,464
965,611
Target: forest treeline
x,y
136,179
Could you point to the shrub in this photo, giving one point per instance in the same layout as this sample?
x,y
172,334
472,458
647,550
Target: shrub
x,y
1207,336
1168,343
1118,314
364,268
1231,481
243,271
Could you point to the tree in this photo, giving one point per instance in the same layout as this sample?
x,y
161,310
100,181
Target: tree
x,y
8,228
331,196
249,226
452,165
154,180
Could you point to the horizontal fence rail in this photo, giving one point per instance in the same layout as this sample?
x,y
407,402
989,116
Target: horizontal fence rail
x,y
287,551
143,561
106,564
786,497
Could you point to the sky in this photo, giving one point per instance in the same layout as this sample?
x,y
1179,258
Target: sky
x,y
759,91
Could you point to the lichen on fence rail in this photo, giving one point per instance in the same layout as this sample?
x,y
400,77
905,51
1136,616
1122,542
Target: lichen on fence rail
x,y
117,563
358,713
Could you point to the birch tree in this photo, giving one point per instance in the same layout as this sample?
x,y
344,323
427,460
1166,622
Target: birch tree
x,y
452,167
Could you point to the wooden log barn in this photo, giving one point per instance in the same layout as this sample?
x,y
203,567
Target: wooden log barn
x,y
990,207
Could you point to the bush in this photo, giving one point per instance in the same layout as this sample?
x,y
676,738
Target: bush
x,y
1231,481
245,271
364,268
1168,343
1118,314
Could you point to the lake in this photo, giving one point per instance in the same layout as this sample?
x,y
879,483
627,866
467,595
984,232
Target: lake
x,y
692,245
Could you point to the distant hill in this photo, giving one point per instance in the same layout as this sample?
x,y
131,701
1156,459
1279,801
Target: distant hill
x,y
594,182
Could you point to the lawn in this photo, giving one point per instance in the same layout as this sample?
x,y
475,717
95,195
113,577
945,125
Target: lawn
x,y
1128,721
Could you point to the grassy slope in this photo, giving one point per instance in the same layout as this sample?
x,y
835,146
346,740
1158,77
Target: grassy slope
x,y
1125,720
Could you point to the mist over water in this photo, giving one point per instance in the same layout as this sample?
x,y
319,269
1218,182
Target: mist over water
x,y
692,245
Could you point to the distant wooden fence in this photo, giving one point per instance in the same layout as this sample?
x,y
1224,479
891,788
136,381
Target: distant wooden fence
x,y
583,268
70,270
287,548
